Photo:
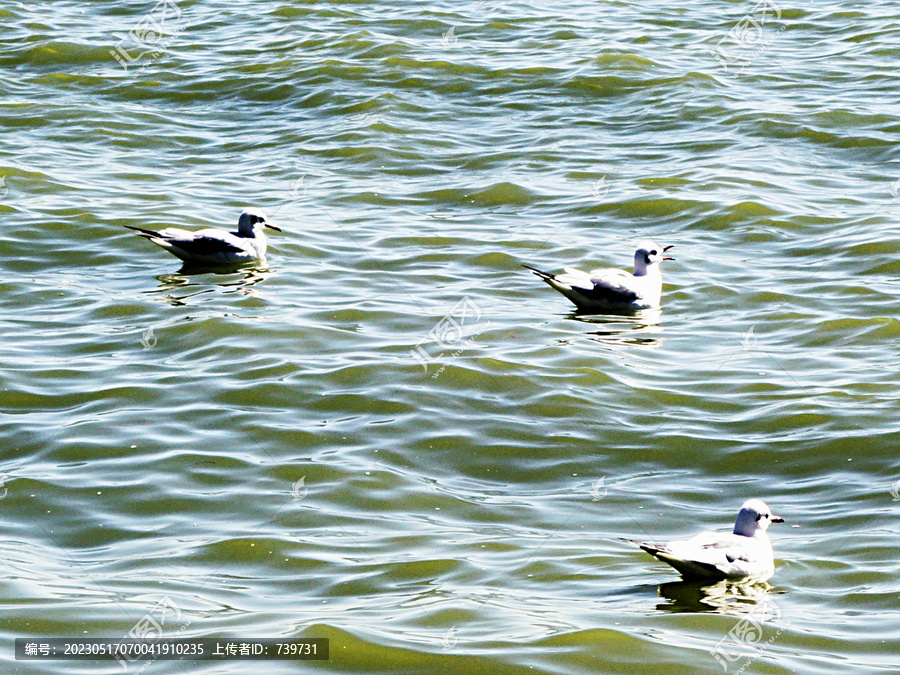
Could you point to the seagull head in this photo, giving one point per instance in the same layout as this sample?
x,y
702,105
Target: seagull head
x,y
649,253
754,516
251,219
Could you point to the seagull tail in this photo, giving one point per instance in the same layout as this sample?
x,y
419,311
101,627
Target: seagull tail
x,y
542,275
143,232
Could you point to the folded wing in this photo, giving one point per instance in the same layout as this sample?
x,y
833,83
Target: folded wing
x,y
595,290
207,245
204,246
615,286
714,555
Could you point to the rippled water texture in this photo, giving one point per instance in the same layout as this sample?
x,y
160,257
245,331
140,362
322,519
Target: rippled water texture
x,y
392,435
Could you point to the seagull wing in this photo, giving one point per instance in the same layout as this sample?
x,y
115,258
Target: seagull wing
x,y
207,246
575,279
613,287
202,246
600,289
739,556
690,569
714,555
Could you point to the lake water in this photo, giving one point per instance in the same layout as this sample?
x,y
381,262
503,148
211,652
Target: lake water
x,y
390,434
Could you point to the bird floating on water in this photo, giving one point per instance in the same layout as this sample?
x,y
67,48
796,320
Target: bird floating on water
x,y
745,553
611,289
212,246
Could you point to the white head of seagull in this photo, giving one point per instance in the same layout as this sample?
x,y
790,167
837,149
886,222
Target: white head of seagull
x,y
252,222
612,289
754,519
212,246
648,256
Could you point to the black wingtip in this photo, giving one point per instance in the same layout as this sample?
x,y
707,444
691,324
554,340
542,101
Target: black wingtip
x,y
541,274
142,231
642,544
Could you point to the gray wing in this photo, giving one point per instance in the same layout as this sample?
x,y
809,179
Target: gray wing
x,y
713,556
600,289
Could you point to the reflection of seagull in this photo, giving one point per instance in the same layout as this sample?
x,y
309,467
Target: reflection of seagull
x,y
744,553
733,597
606,289
212,246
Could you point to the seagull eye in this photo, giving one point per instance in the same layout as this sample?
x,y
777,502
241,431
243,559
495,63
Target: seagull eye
x,y
653,252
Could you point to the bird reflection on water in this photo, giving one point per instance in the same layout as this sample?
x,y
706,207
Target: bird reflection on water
x,y
637,328
732,598
187,283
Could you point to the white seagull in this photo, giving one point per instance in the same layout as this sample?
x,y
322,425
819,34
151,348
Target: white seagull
x,y
610,289
745,553
212,246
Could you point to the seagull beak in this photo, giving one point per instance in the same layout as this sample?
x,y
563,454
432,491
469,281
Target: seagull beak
x,y
666,248
776,519
272,227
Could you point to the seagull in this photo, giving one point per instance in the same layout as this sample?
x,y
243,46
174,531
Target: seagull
x,y
745,553
610,289
212,246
